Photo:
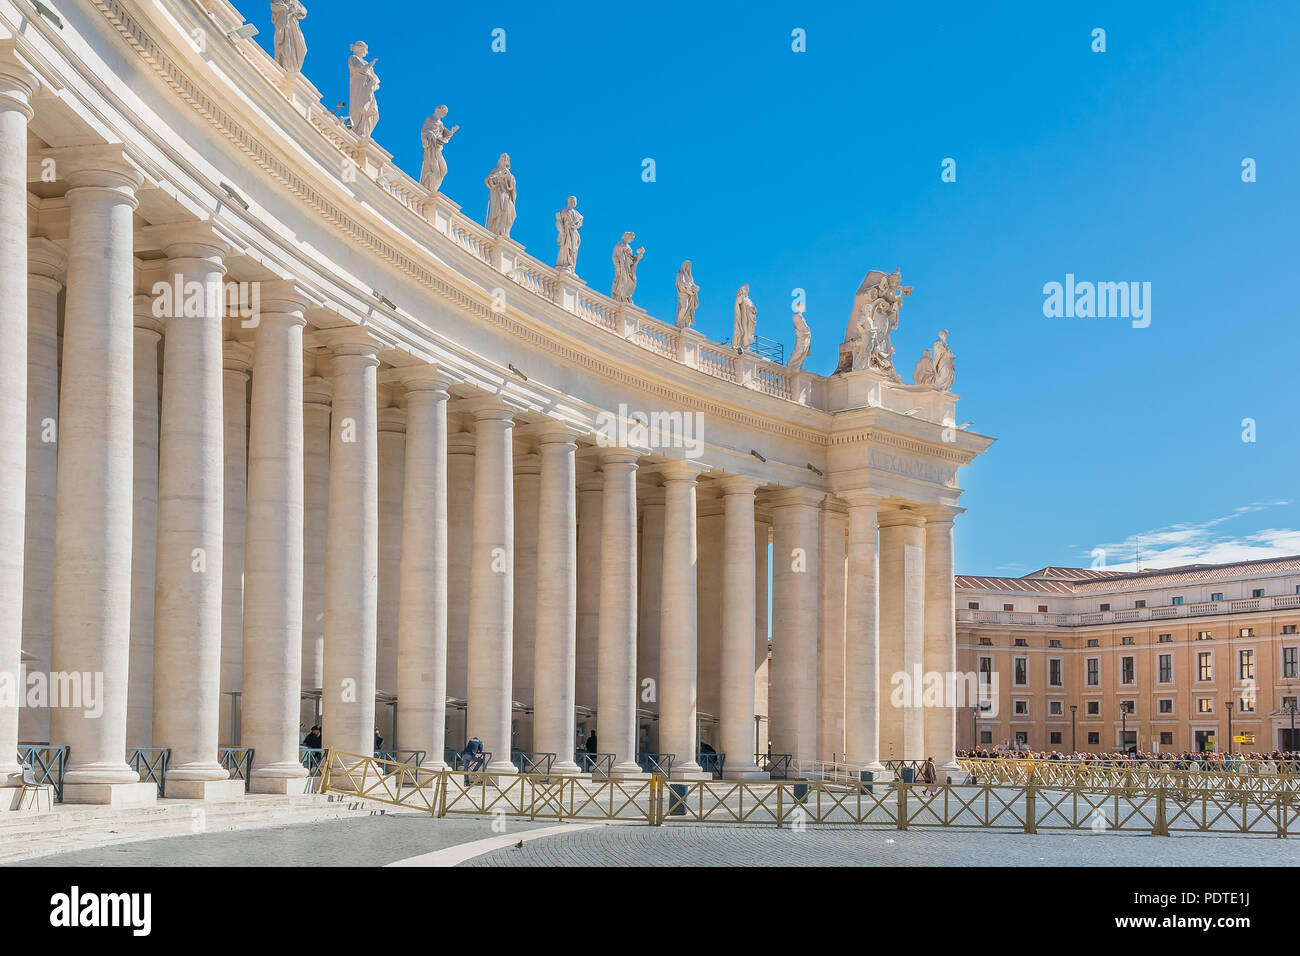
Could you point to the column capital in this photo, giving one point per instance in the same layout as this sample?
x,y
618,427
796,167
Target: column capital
x,y
618,456
592,481
679,470
236,356
97,167
788,497
550,431
833,505
284,297
18,81
317,390
351,341
736,485
460,443
490,408
186,240
392,419
145,319
859,498
46,259
425,378
902,517
940,514
527,465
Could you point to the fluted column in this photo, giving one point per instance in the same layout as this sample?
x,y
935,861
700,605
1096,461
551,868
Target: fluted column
x,y
45,273
317,394
272,631
590,509
144,522
17,85
902,631
762,682
422,615
238,362
555,653
392,468
796,584
92,548
830,648
678,650
738,646
352,548
460,549
941,641
862,691
527,490
491,609
616,644
649,606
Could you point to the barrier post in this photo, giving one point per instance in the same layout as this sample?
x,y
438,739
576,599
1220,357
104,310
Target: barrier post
x,y
1031,805
1161,825
901,788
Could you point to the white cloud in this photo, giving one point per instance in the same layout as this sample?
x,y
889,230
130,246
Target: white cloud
x,y
1205,542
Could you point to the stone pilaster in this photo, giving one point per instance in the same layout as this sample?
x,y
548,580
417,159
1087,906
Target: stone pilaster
x,y
738,645
862,691
796,583
830,645
238,362
902,623
678,651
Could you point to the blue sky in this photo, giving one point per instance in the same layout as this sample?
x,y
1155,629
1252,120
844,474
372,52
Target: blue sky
x,y
804,170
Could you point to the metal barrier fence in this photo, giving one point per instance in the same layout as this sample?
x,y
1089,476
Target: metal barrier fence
x,y
313,758
415,757
602,764
48,764
776,765
151,764
1127,778
1030,808
662,764
712,763
532,763
238,762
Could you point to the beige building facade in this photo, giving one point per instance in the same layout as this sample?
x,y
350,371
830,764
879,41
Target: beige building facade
x,y
1092,661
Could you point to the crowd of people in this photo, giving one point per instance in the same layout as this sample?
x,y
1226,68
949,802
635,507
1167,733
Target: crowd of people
x,y
1275,762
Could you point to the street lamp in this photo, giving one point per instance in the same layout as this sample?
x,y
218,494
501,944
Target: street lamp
x,y
1074,744
1229,706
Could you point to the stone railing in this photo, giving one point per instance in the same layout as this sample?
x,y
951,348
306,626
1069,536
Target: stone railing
x,y
1161,613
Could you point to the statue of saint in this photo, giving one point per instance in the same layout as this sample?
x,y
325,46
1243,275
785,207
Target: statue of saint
x,y
625,263
501,198
363,108
435,136
945,368
874,318
742,336
567,223
290,45
802,343
688,296
923,374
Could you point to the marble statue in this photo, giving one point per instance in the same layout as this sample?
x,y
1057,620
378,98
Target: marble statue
x,y
435,136
363,108
290,45
802,342
923,374
567,223
945,368
501,198
742,336
873,320
688,296
625,263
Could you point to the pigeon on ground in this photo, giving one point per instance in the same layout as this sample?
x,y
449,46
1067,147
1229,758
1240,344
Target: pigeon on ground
x,y
519,845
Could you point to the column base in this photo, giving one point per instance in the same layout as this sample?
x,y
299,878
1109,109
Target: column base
x,y
626,771
275,783
565,768
954,772
745,773
696,774
502,767
111,794
210,790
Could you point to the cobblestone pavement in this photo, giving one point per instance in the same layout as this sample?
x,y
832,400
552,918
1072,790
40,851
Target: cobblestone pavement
x,y
379,840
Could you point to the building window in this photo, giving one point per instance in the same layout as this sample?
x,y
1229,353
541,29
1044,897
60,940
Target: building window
x,y
1246,665
1139,603
1166,738
1246,632
1166,705
1008,607
1288,703
1042,609
986,642
1166,668
1022,671
1021,642
1178,600
1205,705
1216,596
1056,736
1126,641
1022,708
1105,607
1203,635
1165,639
1205,666
1092,642
1093,709
1290,657
1094,671
1055,708
1053,643
1054,677
1094,738
1022,738
986,736
1256,592
1127,670
1246,705
1127,706
972,605
986,669
1288,628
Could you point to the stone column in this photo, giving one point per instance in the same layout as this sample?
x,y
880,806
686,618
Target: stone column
x,y
17,85
191,477
738,645
317,393
92,546
492,586
762,730
616,644
460,546
941,643
273,593
796,584
422,616
677,617
144,523
649,604
238,363
555,653
862,700
590,509
830,647
46,263
527,488
392,466
902,623
352,549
